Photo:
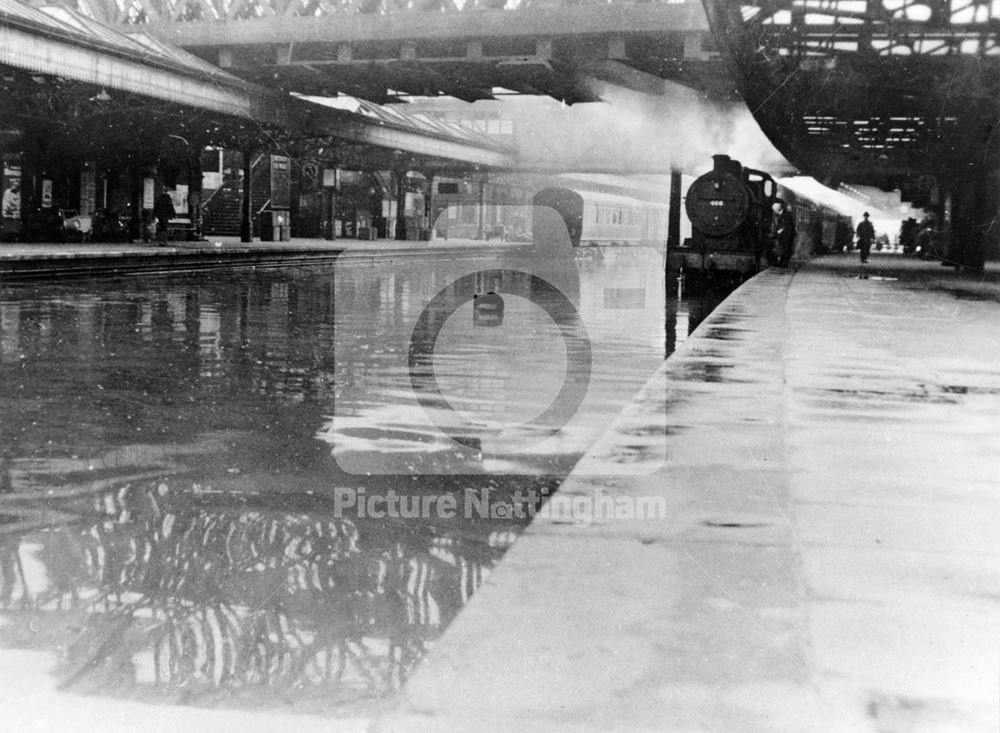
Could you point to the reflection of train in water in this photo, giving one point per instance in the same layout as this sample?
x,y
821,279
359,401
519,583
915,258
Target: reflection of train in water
x,y
599,218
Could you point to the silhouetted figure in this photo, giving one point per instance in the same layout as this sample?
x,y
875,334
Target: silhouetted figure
x,y
784,233
926,244
866,235
908,235
164,211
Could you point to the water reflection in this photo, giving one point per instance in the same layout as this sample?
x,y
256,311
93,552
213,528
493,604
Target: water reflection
x,y
167,467
522,396
169,596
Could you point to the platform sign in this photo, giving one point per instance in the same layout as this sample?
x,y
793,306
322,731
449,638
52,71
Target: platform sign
x,y
147,193
281,182
46,193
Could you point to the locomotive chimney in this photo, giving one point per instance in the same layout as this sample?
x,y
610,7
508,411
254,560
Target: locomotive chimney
x,y
724,164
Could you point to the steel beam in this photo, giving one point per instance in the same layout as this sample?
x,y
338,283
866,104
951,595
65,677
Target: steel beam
x,y
623,19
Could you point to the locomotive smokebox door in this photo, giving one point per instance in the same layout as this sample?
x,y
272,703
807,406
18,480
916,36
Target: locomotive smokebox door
x,y
487,310
717,203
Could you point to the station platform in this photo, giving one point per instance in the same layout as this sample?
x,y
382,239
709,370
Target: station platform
x,y
828,559
46,260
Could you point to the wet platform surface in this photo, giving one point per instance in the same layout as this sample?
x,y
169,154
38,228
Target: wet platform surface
x,y
225,245
29,260
824,555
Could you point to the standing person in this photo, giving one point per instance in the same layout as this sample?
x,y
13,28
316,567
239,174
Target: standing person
x,y
10,225
784,232
908,235
12,200
866,235
164,211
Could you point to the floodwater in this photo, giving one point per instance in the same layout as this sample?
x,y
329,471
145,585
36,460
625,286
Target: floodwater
x,y
252,488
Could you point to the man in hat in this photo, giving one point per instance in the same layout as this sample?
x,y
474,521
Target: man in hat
x,y
866,235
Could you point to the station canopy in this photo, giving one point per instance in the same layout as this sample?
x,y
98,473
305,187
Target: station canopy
x,y
65,74
61,42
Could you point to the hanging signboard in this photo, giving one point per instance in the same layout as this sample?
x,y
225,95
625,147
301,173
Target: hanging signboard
x,y
281,182
88,192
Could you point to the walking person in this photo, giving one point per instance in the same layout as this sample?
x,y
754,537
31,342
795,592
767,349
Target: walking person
x,y
164,211
866,235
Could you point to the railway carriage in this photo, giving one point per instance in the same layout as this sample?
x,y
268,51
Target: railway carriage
x,y
820,228
596,219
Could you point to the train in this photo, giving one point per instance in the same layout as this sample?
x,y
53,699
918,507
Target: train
x,y
732,209
726,237
820,227
731,212
598,219
542,209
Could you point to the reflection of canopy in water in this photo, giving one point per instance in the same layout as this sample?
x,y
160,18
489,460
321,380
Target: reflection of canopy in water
x,y
214,599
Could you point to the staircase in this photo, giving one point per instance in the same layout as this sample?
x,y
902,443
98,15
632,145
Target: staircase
x,y
221,210
220,214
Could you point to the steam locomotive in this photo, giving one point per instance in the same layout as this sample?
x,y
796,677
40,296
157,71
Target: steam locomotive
x,y
730,209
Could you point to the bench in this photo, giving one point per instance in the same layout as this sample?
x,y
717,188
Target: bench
x,y
180,230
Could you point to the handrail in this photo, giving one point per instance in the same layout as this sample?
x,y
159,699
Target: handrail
x,y
215,192
239,187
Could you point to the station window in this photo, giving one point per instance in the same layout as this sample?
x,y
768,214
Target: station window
x,y
448,187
